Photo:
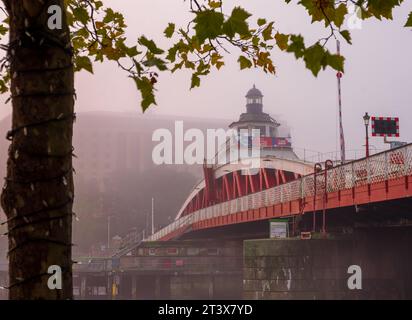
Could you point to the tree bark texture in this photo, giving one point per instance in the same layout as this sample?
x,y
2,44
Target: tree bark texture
x,y
38,193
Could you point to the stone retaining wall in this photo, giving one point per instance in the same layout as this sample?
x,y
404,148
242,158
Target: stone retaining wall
x,y
318,269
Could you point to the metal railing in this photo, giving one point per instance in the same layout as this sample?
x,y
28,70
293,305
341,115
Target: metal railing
x,y
379,167
212,263
132,238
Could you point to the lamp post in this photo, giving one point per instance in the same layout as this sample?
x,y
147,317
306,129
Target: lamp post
x,y
366,119
108,231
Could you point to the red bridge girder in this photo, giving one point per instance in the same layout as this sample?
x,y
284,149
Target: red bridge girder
x,y
359,195
235,184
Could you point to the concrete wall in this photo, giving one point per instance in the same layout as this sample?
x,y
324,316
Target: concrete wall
x,y
272,269
318,269
182,270
227,286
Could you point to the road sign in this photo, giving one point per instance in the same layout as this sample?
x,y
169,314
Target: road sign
x,y
385,127
279,228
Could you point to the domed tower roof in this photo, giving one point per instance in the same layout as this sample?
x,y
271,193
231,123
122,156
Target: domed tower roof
x,y
254,101
254,110
254,93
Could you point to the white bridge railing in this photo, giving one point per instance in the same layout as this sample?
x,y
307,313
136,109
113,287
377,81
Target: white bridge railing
x,y
379,167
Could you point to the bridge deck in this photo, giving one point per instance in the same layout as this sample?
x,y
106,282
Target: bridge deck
x,y
382,177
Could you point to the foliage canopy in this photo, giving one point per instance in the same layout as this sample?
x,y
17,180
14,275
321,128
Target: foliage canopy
x,y
98,35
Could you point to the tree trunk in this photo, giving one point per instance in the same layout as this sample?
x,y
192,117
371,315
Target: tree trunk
x,y
38,194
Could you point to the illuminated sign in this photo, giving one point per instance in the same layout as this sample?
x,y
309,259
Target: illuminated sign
x,y
385,127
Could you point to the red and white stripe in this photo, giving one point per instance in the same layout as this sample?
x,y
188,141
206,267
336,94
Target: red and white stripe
x,y
339,75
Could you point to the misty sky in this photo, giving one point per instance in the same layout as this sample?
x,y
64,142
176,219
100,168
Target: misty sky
x,y
377,80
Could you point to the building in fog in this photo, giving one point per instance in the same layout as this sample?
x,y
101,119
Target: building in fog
x,y
114,143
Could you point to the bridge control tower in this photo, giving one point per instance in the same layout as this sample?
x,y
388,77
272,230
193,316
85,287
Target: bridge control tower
x,y
276,163
271,143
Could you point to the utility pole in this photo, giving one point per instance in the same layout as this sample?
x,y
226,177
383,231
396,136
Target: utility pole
x,y
147,223
339,75
108,231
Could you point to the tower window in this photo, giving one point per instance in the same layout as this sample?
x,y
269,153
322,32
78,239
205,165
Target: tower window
x,y
254,100
272,132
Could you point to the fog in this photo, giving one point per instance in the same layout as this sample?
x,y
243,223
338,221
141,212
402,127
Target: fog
x,y
377,78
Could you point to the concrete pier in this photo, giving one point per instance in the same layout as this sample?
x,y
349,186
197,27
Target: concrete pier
x,y
259,269
318,269
177,270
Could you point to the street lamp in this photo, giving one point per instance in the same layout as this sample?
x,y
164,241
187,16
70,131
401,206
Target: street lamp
x,y
108,231
366,119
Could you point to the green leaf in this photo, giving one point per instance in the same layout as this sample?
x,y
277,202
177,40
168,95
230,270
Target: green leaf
x,y
98,4
282,41
314,10
208,24
244,62
81,14
267,33
195,81
409,22
3,30
132,51
170,30
145,86
340,14
296,46
215,4
155,62
150,45
171,56
313,57
346,35
382,8
236,24
335,61
177,66
83,62
261,22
